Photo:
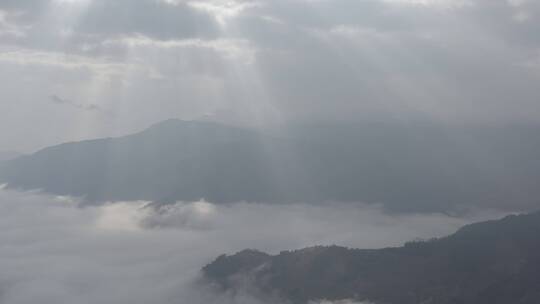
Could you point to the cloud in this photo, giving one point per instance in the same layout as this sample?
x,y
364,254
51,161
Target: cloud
x,y
234,49
148,17
10,28
268,62
99,67
446,4
223,10
109,18
56,252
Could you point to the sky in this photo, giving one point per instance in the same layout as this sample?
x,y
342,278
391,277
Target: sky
x,y
56,252
77,69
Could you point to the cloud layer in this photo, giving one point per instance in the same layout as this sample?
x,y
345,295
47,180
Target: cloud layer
x,y
125,253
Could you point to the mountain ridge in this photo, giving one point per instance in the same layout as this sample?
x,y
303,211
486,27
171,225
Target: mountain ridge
x,y
412,168
489,262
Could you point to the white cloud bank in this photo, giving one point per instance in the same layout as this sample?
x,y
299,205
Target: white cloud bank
x,y
54,252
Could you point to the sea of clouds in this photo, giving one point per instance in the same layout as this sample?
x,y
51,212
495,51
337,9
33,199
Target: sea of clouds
x,y
54,251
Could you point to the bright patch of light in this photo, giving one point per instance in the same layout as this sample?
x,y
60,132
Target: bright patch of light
x,y
100,68
234,49
121,216
223,10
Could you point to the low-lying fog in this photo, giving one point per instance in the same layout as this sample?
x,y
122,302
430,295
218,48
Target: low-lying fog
x,y
55,252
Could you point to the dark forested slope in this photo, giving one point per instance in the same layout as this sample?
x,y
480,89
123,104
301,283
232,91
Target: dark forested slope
x,y
495,262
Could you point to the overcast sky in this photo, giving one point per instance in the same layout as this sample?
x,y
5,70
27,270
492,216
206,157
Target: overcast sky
x,y
74,69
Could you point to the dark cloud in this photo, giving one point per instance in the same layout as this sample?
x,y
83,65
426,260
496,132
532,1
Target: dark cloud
x,y
27,7
151,18
123,17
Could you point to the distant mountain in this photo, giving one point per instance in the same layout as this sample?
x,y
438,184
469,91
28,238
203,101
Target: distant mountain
x,y
9,155
495,262
414,167
171,160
